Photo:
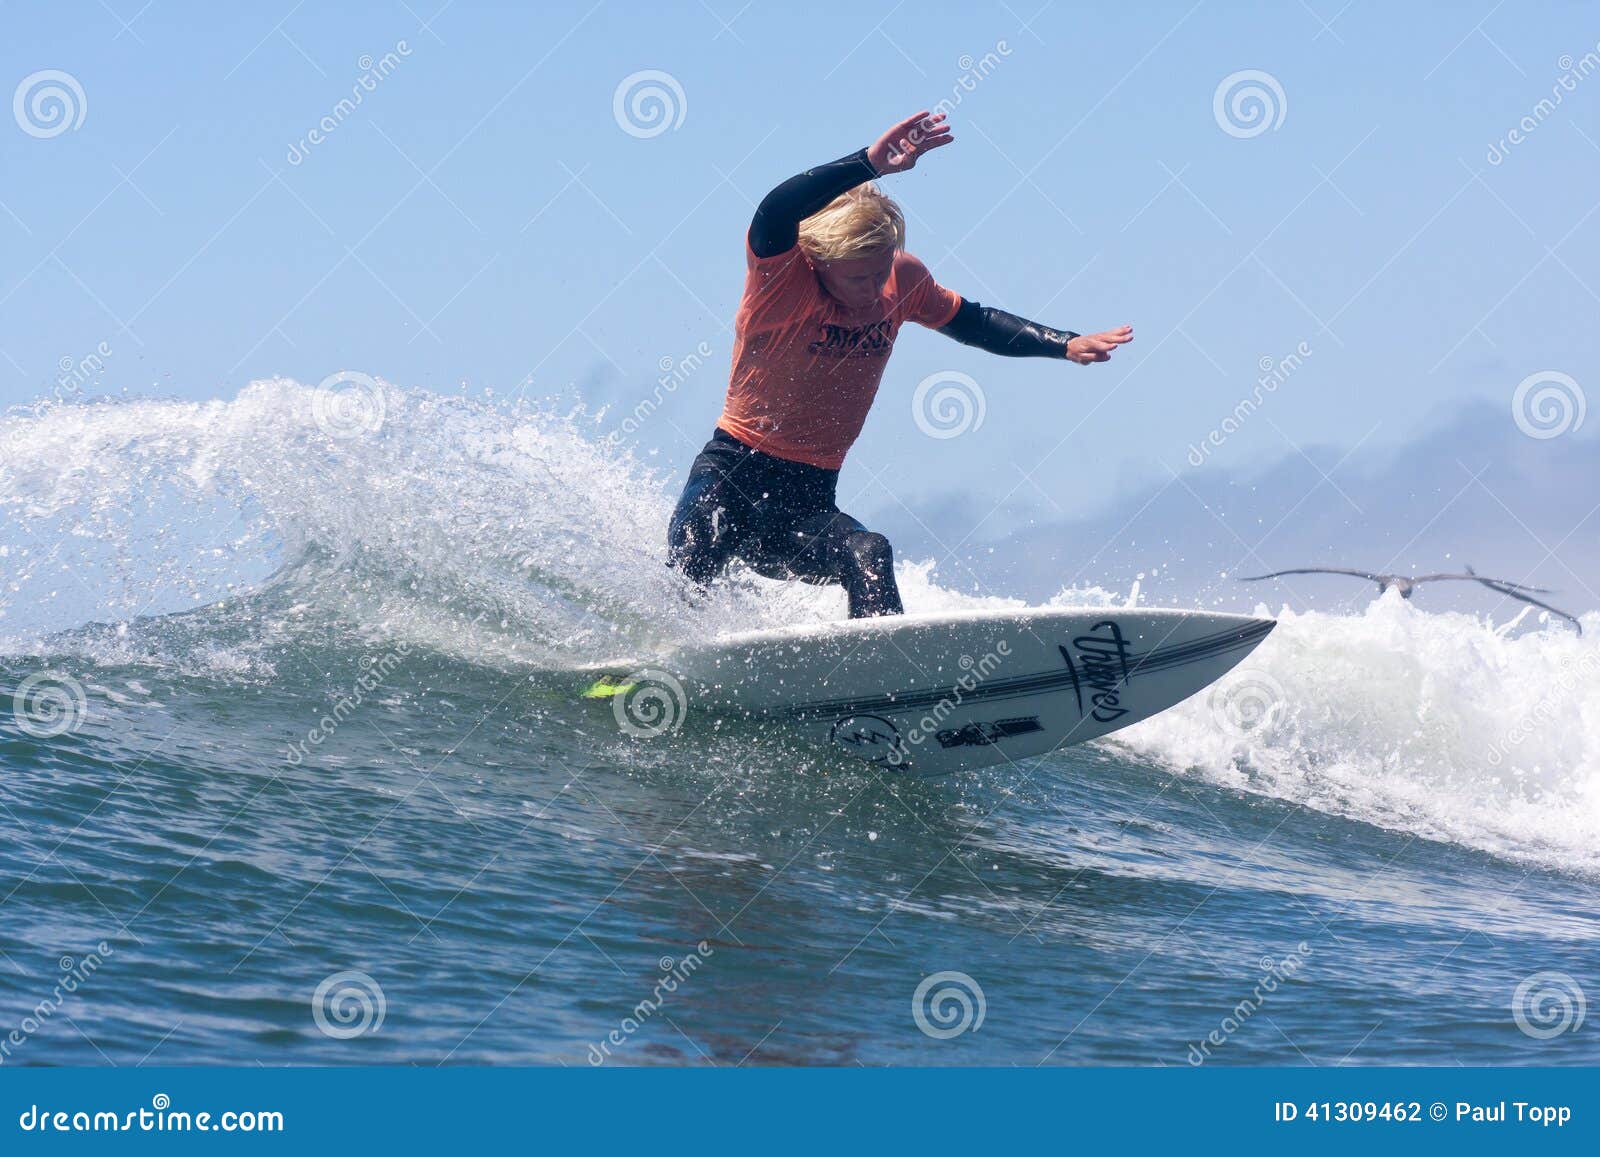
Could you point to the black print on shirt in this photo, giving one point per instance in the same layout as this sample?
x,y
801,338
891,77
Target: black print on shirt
x,y
873,340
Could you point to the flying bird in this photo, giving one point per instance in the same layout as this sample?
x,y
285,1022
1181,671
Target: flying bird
x,y
1405,584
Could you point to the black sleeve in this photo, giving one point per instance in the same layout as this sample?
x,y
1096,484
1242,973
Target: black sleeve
x,y
999,332
776,225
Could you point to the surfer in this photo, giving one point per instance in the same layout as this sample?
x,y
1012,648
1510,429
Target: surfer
x,y
828,285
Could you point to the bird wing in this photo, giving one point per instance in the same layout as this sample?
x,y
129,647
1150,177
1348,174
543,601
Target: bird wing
x,y
1377,578
1473,576
1505,589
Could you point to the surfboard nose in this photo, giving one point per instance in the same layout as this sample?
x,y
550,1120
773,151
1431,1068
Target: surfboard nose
x,y
1252,620
1254,626
1256,629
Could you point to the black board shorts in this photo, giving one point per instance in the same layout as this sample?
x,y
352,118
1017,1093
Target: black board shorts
x,y
779,517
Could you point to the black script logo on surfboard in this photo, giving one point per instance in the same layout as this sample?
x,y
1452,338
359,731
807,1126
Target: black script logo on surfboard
x,y
1100,670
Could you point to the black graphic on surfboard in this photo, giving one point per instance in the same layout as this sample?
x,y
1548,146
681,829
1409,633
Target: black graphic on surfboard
x,y
1101,668
984,732
871,737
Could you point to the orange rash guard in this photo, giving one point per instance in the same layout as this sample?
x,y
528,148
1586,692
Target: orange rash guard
x,y
805,368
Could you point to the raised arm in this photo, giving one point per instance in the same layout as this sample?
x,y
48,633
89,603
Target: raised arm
x,y
776,225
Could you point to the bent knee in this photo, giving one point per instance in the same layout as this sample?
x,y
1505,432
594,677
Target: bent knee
x,y
869,550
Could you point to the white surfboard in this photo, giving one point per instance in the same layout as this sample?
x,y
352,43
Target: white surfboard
x,y
931,694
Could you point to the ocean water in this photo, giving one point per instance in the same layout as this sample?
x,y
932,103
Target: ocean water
x,y
293,770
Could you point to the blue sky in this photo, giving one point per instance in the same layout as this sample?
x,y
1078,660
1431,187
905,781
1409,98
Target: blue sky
x,y
483,218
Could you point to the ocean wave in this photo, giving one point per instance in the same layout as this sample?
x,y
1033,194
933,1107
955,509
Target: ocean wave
x,y
1436,724
254,540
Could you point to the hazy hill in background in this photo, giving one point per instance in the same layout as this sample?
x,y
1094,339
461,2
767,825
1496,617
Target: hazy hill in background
x,y
1472,490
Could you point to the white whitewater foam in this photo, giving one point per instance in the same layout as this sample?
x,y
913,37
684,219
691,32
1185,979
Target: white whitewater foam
x,y
519,536
487,532
473,528
1433,724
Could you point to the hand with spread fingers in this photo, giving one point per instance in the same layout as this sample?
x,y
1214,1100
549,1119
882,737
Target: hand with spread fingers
x,y
902,146
1097,347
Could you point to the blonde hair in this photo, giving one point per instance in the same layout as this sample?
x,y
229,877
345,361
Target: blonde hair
x,y
859,223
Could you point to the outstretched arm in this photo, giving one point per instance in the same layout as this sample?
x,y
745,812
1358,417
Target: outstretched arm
x,y
776,225
998,332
